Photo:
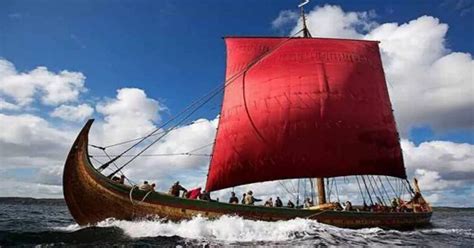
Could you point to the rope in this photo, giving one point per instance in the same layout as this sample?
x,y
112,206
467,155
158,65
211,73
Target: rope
x,y
130,194
289,192
128,180
409,188
316,214
139,138
360,189
367,189
159,155
378,190
394,192
209,97
146,195
337,191
383,187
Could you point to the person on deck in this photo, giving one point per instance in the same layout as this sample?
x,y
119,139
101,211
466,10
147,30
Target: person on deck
x,y
278,202
233,199
348,206
176,189
394,204
269,203
152,187
122,179
205,196
308,203
249,199
145,186
290,204
243,198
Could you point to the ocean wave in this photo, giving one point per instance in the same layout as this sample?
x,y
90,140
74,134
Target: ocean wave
x,y
225,228
236,231
232,229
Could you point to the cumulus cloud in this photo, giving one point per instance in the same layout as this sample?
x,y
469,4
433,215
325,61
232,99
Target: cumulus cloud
x,y
73,113
51,88
131,114
26,139
453,160
329,21
420,69
196,139
4,105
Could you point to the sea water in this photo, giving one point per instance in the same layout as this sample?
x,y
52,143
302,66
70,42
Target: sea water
x,y
51,225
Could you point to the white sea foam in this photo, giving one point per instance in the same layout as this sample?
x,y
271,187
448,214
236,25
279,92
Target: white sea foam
x,y
235,229
225,228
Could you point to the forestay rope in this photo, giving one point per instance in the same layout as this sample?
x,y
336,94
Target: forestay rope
x,y
188,111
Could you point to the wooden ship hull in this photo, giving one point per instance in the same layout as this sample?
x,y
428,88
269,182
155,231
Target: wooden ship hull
x,y
91,197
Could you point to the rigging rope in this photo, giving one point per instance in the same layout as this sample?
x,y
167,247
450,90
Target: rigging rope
x,y
378,190
158,155
383,187
390,184
199,103
135,139
337,191
360,189
367,189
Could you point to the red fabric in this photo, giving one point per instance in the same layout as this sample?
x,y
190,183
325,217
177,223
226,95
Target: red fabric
x,y
311,108
194,193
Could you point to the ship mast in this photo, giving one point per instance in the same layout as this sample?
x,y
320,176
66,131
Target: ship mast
x,y
306,32
319,181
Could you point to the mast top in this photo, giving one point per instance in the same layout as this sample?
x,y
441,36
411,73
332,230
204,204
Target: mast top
x,y
306,32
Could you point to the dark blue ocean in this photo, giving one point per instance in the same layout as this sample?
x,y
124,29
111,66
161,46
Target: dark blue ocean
x,y
49,224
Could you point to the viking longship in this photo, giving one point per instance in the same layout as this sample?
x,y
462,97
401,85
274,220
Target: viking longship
x,y
293,107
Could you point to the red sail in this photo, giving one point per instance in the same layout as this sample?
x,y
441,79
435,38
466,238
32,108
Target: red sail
x,y
309,108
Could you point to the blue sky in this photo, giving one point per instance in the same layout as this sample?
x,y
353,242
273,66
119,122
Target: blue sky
x,y
173,51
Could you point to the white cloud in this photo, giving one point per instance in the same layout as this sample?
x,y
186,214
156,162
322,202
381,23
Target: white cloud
x,y
286,17
332,21
73,113
188,138
28,140
4,105
453,161
52,88
13,188
423,73
130,115
430,85
431,180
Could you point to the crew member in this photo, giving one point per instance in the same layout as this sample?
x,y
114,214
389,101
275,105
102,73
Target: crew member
x,y
249,199
278,202
176,189
145,186
233,199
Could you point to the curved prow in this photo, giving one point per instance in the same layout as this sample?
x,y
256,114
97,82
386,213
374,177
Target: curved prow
x,y
76,175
